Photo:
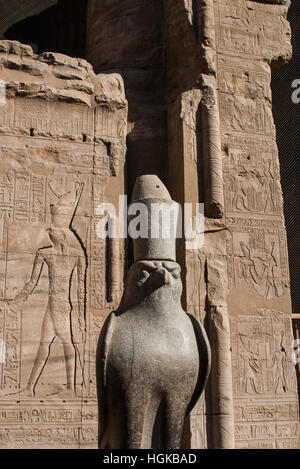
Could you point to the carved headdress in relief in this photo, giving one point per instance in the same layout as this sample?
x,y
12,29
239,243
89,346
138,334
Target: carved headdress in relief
x,y
63,211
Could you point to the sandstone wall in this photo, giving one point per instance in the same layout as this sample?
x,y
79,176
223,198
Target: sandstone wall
x,y
62,128
222,137
259,294
287,117
197,77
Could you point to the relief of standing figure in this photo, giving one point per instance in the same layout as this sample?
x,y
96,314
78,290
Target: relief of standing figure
x,y
63,257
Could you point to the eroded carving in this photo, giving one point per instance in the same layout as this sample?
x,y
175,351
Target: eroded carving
x,y
65,256
260,258
52,143
263,368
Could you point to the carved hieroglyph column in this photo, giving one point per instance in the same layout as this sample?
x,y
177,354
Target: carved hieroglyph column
x,y
221,397
214,193
222,415
222,139
195,146
251,36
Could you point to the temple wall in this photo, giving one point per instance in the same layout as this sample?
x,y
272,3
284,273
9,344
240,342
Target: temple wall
x,y
222,135
285,92
61,127
264,384
197,78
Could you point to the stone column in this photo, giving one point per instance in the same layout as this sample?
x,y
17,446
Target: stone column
x,y
222,413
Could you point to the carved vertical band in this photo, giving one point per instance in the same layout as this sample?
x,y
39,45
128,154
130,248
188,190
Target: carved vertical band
x,y
221,381
206,28
113,264
211,136
213,172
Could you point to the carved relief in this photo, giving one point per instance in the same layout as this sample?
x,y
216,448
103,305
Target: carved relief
x,y
20,115
63,257
263,368
53,267
246,115
240,77
268,31
259,256
252,181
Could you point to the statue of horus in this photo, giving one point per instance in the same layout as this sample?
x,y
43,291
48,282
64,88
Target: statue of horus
x,y
153,360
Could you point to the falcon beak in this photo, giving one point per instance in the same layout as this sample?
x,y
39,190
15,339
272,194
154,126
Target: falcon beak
x,y
160,278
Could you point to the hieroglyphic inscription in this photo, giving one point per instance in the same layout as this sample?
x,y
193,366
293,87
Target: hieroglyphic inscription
x,y
252,178
265,28
48,425
258,254
98,249
246,115
263,367
22,196
22,115
10,334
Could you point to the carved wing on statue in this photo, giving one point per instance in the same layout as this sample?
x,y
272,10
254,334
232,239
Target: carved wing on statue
x,y
204,360
101,362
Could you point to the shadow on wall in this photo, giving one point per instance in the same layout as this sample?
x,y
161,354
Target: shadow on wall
x,y
61,28
287,120
16,10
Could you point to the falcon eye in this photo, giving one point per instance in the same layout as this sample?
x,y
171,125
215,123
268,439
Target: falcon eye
x,y
176,273
144,276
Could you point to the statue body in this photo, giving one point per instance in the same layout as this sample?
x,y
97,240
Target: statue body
x,y
153,362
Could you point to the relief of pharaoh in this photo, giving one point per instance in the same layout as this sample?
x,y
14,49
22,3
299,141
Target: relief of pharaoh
x,y
63,257
153,359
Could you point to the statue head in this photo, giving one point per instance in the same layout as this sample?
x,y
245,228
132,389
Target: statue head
x,y
159,215
153,280
155,275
